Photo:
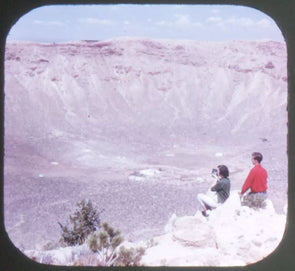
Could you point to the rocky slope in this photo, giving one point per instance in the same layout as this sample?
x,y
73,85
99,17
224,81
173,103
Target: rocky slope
x,y
136,126
228,237
132,85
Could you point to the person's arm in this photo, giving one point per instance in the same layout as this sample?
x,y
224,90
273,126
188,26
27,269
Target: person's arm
x,y
216,187
248,182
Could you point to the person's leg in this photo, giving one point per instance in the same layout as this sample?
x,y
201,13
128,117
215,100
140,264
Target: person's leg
x,y
254,200
206,202
259,200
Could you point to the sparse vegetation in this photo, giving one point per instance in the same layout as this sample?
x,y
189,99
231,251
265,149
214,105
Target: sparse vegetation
x,y
130,257
102,239
269,65
84,221
105,243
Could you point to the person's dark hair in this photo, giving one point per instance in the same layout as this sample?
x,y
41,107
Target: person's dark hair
x,y
257,156
223,171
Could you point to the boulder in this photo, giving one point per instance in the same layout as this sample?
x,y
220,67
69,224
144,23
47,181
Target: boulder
x,y
232,235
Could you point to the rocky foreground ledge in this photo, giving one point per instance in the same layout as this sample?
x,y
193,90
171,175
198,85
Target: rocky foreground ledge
x,y
232,235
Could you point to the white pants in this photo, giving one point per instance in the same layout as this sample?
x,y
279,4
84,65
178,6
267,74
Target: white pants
x,y
207,201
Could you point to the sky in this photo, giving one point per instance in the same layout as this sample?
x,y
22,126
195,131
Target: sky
x,y
64,23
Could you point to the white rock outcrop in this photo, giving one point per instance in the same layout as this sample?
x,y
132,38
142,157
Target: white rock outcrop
x,y
232,235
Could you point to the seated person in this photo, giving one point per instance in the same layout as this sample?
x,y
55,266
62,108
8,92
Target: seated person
x,y
221,189
257,183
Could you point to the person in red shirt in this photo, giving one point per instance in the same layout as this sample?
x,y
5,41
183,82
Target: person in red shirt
x,y
257,183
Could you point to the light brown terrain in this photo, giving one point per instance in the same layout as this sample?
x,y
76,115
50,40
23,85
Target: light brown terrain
x,y
136,126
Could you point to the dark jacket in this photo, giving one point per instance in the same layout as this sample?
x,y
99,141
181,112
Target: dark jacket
x,y
222,188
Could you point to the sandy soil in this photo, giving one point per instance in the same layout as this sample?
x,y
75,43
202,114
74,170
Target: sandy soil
x,y
48,192
83,119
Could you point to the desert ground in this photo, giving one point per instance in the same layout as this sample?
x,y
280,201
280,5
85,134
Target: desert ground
x,y
136,126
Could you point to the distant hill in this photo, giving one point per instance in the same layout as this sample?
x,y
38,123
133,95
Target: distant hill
x,y
127,86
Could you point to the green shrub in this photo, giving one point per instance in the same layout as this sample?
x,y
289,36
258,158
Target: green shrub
x,y
84,221
101,239
106,242
130,257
